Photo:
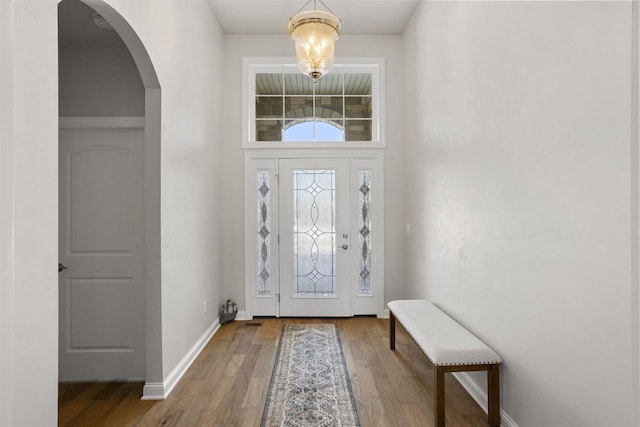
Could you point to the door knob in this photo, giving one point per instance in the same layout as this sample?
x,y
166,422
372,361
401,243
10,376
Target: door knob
x,y
61,267
345,246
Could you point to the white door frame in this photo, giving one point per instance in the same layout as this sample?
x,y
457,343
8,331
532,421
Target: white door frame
x,y
267,160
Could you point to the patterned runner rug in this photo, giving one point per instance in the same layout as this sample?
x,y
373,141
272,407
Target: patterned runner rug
x,y
310,383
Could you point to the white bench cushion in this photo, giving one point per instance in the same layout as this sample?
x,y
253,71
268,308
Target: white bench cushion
x,y
442,339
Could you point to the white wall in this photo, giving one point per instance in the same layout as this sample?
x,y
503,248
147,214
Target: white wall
x,y
238,46
28,213
185,44
635,206
6,216
519,198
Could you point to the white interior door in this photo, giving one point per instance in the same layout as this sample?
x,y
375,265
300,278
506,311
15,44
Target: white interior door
x,y
101,244
315,241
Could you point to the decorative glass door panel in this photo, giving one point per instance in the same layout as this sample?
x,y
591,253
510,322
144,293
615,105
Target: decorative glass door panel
x,y
314,237
314,233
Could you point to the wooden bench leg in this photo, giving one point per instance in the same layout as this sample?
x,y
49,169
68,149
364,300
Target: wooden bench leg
x,y
493,391
392,331
438,393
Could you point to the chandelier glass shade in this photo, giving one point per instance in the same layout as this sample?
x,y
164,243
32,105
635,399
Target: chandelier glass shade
x,y
315,33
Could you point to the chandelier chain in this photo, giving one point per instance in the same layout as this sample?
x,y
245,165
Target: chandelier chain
x,y
315,7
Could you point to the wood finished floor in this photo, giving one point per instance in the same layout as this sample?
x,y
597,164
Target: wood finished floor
x,y
227,385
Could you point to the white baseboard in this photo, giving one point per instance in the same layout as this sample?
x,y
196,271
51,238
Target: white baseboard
x,y
242,315
385,314
153,391
480,396
160,391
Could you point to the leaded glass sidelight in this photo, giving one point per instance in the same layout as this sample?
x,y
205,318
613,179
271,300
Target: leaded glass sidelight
x,y
314,233
263,227
364,232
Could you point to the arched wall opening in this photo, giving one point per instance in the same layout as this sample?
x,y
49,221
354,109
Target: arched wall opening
x,y
151,183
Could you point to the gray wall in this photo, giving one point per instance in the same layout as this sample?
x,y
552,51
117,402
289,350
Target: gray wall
x,y
518,176
99,80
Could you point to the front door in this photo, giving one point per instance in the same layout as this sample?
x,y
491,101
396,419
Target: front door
x,y
314,237
101,246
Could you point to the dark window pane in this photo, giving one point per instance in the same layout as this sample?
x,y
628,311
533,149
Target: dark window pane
x,y
268,84
329,107
268,107
358,107
298,107
357,84
358,130
297,84
268,130
330,84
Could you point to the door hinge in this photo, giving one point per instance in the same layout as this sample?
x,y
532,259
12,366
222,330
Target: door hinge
x,y
277,179
278,239
278,297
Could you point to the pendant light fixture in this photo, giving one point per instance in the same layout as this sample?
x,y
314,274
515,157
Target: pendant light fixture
x,y
315,33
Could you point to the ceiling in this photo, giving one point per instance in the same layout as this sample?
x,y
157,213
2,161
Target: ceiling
x,y
255,17
271,16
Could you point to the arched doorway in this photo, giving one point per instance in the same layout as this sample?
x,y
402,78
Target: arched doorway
x,y
138,125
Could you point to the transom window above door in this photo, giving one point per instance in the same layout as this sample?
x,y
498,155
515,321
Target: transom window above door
x,y
284,108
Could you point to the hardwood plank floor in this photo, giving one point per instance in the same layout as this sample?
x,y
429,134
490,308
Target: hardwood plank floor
x,y
228,383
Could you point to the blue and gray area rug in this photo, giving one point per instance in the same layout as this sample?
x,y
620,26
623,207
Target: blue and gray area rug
x,y
310,383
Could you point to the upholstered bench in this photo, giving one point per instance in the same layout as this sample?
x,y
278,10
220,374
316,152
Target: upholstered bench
x,y
449,347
